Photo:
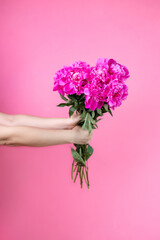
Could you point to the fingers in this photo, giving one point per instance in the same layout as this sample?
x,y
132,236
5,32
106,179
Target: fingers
x,y
76,117
88,136
76,114
82,136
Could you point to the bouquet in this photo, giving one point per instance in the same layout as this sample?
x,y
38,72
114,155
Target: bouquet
x,y
90,91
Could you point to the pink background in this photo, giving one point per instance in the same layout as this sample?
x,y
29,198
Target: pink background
x,y
38,199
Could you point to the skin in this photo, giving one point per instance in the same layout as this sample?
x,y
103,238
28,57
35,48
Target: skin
x,y
29,130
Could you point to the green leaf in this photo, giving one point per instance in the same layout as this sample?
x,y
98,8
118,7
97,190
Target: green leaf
x,y
82,97
65,99
68,103
72,97
98,119
105,107
76,145
83,115
91,119
86,122
99,111
93,114
75,104
61,105
103,110
90,127
71,111
64,104
77,157
109,110
89,151
85,126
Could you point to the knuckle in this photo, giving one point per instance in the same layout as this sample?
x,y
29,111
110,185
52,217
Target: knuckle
x,y
87,141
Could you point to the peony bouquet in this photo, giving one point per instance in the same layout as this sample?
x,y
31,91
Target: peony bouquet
x,y
90,91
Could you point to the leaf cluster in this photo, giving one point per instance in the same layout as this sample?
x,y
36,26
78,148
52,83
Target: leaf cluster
x,y
88,122
89,118
80,157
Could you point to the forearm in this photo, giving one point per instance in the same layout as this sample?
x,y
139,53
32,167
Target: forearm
x,y
40,122
37,137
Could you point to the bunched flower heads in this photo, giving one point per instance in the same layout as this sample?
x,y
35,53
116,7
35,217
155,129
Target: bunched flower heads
x,y
106,84
91,91
103,83
72,79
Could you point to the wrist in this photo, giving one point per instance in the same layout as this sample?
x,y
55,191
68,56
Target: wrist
x,y
68,123
70,136
61,123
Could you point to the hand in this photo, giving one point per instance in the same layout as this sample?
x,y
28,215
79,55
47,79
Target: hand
x,y
73,120
81,136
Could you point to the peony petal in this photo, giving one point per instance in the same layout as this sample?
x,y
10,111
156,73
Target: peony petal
x,y
87,102
86,91
100,61
100,104
93,104
55,87
111,60
67,87
61,82
61,91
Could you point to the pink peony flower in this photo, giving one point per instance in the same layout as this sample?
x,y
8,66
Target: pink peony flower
x,y
105,85
114,68
117,92
72,79
95,94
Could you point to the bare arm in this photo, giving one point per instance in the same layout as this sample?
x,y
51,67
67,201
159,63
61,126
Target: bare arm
x,y
35,121
37,137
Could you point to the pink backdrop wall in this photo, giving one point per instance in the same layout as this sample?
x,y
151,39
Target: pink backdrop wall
x,y
38,199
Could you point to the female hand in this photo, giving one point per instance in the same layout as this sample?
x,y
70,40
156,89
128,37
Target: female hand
x,y
81,136
73,120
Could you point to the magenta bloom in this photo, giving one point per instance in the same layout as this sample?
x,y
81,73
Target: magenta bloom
x,y
72,79
117,92
114,68
95,91
106,84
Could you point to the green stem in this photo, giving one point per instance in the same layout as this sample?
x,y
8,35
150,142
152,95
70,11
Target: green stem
x,y
72,169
